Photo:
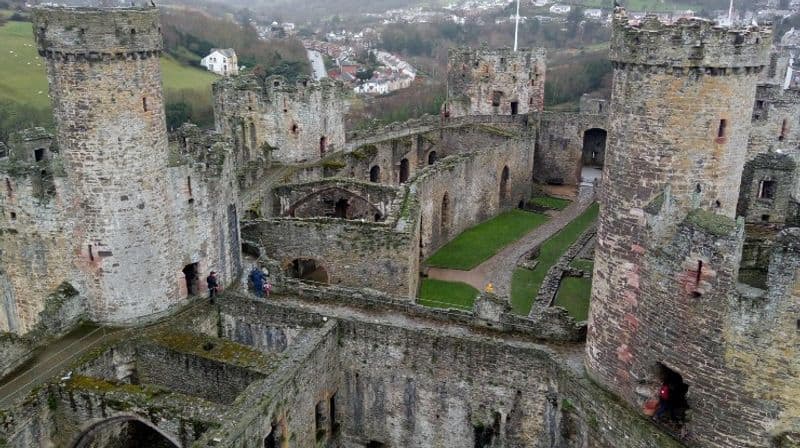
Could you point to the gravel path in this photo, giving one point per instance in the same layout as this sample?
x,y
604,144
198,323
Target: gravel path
x,y
499,269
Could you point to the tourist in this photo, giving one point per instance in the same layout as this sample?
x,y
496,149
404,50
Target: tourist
x,y
213,285
257,280
664,403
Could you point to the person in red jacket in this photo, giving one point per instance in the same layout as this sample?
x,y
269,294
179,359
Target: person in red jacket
x,y
664,403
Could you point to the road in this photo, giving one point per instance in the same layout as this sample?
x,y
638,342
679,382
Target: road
x,y
317,64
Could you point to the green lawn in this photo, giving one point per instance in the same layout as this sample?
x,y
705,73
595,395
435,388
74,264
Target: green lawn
x,y
550,202
481,242
583,265
441,294
23,79
573,294
525,284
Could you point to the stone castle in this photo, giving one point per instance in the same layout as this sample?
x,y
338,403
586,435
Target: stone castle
x,y
115,221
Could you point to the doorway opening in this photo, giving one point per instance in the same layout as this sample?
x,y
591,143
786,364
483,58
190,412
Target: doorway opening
x,y
514,108
593,155
342,206
308,269
431,157
375,174
504,185
677,405
404,171
192,276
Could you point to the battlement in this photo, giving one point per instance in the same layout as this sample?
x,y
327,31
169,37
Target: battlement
x,y
503,58
275,84
688,43
97,33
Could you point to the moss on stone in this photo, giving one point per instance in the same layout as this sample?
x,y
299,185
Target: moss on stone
x,y
364,152
493,130
711,222
654,207
334,164
216,349
87,383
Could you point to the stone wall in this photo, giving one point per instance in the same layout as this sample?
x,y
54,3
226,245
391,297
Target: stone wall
x,y
323,198
774,121
494,81
351,253
292,121
465,189
559,147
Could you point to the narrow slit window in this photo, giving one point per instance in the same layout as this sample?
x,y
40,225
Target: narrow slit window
x,y
9,190
144,104
723,128
91,253
784,130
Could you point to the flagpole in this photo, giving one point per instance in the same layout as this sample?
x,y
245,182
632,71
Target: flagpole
x,y
516,27
730,14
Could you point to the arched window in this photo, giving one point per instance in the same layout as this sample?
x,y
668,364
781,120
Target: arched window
x,y
504,184
432,157
404,171
444,219
375,174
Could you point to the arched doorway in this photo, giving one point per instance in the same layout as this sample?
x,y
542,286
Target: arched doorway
x,y
308,269
404,171
504,176
444,217
432,157
124,432
593,154
375,174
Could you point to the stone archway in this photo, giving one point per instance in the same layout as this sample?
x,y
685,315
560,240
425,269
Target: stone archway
x,y
593,155
124,431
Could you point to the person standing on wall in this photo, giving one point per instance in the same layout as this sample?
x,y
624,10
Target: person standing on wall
x,y
213,285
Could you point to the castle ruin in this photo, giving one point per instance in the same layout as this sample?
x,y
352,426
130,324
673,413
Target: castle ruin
x,y
114,221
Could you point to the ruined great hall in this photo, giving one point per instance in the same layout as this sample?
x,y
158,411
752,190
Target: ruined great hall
x,y
114,221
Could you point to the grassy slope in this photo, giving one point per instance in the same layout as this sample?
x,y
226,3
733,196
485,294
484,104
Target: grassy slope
x,y
525,284
22,75
481,242
441,294
550,202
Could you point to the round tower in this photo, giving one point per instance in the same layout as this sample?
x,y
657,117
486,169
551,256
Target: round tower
x,y
680,115
105,86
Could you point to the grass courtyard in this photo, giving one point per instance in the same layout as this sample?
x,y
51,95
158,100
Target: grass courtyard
x,y
478,244
573,295
549,202
442,294
525,283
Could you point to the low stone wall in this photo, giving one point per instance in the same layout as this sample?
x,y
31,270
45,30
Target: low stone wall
x,y
14,350
552,281
554,324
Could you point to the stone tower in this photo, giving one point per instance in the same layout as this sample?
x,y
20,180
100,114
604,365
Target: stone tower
x,y
285,121
105,83
487,81
668,246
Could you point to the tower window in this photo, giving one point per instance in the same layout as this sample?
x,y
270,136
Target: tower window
x,y
9,190
766,189
133,31
144,104
13,216
722,129
496,95
38,154
784,129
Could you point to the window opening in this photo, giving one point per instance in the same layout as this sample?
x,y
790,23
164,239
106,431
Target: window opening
x,y
496,95
444,220
504,184
13,216
672,396
375,174
38,154
722,129
91,253
323,143
144,104
514,108
784,129
766,189
332,411
404,171
431,157
9,190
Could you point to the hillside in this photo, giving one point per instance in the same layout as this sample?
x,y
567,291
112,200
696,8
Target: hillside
x,y
23,84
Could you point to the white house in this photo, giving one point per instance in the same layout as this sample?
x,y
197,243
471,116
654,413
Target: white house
x,y
221,61
560,9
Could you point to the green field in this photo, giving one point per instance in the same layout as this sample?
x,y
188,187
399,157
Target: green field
x,y
583,265
23,80
573,295
481,242
441,294
549,202
525,284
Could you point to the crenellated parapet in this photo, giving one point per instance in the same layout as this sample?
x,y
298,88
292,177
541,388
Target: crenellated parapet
x,y
695,44
64,33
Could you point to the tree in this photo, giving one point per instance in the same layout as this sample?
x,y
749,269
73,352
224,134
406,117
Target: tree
x,y
364,75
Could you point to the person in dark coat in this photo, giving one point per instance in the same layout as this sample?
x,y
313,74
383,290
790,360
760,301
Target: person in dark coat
x,y
257,280
213,285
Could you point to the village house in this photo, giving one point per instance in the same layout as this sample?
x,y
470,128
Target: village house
x,y
222,61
